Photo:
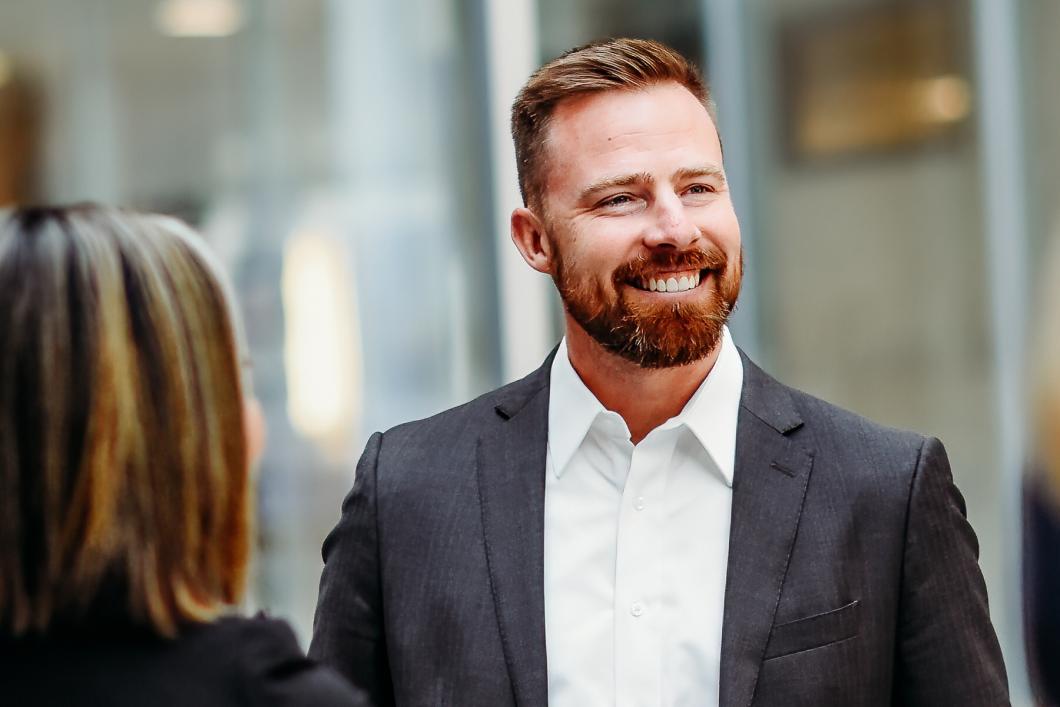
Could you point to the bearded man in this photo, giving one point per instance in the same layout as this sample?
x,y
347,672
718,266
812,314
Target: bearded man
x,y
649,518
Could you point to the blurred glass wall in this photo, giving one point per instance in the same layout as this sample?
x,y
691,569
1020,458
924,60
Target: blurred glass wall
x,y
1041,20
339,155
331,152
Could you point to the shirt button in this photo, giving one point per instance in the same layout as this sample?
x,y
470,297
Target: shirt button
x,y
636,609
639,503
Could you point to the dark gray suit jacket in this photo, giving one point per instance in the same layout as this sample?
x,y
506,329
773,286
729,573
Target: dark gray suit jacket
x,y
852,577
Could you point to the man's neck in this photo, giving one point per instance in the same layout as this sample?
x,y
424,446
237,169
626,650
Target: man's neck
x,y
644,397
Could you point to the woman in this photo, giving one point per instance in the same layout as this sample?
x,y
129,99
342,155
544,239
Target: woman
x,y
1042,516
125,446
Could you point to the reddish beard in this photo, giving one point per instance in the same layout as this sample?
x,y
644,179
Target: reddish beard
x,y
657,334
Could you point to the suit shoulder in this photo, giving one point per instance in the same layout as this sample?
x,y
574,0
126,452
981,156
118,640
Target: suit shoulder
x,y
850,441
459,426
446,422
854,452
847,424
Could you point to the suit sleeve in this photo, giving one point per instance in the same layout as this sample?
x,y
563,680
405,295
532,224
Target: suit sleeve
x,y
947,651
348,631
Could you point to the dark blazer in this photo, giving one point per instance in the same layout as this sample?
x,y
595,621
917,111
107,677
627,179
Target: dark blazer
x,y
1041,585
852,575
232,661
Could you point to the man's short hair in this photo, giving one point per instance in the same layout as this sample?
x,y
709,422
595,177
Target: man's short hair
x,y
607,65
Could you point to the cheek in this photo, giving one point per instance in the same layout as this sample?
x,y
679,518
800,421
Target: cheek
x,y
613,242
593,250
580,253
724,229
588,268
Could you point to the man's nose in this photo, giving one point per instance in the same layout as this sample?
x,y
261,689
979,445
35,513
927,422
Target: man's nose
x,y
671,227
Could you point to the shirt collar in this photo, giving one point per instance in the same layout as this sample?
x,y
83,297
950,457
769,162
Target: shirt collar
x,y
572,409
713,410
711,413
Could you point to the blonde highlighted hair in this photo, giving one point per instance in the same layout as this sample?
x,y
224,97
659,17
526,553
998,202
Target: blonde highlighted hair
x,y
123,458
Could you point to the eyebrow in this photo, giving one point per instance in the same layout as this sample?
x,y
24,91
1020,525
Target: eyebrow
x,y
702,171
625,180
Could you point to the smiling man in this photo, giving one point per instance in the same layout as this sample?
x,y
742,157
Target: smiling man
x,y
649,518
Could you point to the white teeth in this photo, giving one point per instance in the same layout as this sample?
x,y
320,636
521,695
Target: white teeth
x,y
673,284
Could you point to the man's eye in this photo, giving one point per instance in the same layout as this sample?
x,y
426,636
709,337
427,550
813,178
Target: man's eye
x,y
700,189
617,200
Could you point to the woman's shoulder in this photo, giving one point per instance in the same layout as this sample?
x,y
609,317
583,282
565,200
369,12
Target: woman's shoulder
x,y
231,661
259,629
273,668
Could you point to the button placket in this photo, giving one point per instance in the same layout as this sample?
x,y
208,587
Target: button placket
x,y
637,639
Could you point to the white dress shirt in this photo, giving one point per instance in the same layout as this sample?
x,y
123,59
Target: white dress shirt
x,y
636,544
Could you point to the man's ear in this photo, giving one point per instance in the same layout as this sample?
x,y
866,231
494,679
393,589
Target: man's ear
x,y
530,238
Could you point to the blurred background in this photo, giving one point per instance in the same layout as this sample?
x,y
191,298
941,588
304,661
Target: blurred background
x,y
895,166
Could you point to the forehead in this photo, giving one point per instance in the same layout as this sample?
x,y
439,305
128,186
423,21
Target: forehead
x,y
629,131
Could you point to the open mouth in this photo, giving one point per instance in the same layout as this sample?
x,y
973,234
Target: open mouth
x,y
669,282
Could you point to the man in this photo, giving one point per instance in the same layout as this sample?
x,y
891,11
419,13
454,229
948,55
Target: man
x,y
649,519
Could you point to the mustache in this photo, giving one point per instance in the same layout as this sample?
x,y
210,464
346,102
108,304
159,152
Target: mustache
x,y
711,258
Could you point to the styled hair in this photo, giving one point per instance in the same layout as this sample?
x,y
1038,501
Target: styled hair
x,y
123,457
607,65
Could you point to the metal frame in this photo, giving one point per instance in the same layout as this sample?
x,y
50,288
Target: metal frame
x,y
525,312
729,69
1006,210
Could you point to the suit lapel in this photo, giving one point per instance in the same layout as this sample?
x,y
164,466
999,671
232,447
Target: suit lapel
x,y
769,486
511,477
